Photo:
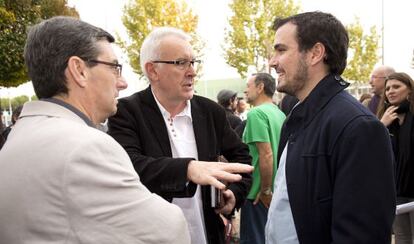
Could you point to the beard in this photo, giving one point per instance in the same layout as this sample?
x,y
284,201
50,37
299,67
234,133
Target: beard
x,y
297,82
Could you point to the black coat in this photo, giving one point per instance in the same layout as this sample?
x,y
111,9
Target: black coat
x,y
339,169
233,119
140,128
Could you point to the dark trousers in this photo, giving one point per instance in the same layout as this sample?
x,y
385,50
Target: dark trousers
x,y
403,226
252,223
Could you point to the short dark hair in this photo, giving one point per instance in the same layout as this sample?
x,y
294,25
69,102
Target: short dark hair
x,y
49,46
314,27
269,83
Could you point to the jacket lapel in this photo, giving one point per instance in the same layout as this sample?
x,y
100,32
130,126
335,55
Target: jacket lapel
x,y
201,131
154,119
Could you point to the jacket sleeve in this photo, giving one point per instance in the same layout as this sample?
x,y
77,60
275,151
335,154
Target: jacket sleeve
x,y
105,196
163,175
363,205
234,150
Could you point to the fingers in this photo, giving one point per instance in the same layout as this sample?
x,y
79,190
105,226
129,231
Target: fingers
x,y
216,183
229,203
225,176
211,173
236,167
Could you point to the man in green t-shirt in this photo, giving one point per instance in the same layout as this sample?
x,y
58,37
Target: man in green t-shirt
x,y
262,133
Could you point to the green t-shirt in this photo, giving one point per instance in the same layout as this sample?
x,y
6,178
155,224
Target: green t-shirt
x,y
264,124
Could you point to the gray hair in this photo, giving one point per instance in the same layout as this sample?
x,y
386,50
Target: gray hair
x,y
269,83
150,46
49,46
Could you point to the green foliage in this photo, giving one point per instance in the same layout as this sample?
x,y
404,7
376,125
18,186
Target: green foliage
x,y
15,17
250,36
50,8
362,53
142,16
15,101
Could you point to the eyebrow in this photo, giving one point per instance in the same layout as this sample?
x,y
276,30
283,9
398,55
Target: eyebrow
x,y
279,45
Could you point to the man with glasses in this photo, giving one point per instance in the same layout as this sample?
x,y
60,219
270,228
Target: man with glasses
x,y
174,138
61,179
377,82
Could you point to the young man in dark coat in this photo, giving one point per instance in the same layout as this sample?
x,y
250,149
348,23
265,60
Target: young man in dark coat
x,y
334,183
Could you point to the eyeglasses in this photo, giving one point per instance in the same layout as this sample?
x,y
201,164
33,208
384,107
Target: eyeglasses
x,y
117,67
378,77
182,64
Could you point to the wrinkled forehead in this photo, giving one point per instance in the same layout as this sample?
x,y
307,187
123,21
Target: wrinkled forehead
x,y
174,47
379,72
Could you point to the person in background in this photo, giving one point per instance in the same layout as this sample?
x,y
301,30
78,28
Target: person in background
x,y
228,100
241,109
174,138
261,134
329,187
14,118
377,81
61,179
396,111
365,98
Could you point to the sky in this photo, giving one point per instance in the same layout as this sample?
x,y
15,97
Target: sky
x,y
213,18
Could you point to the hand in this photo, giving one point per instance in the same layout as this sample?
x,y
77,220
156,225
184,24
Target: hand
x,y
265,199
389,115
229,203
210,173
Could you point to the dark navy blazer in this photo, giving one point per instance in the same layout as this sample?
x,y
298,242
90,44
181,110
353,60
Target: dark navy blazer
x,y
339,169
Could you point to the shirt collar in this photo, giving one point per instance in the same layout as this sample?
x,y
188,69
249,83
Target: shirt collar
x,y
186,111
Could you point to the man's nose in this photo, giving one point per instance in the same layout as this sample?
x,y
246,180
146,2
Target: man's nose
x,y
121,84
191,70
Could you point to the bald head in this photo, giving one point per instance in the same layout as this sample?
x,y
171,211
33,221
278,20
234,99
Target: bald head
x,y
378,76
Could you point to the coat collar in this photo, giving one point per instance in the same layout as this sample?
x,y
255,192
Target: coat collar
x,y
303,114
45,108
324,91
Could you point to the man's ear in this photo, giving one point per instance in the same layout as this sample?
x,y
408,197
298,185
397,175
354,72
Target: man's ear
x,y
151,71
77,70
317,53
261,87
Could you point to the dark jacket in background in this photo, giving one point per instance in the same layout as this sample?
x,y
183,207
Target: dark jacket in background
x,y
233,119
402,137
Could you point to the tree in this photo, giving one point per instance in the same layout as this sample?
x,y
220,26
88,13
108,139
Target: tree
x,y
142,16
362,53
15,17
16,101
412,61
250,36
50,8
